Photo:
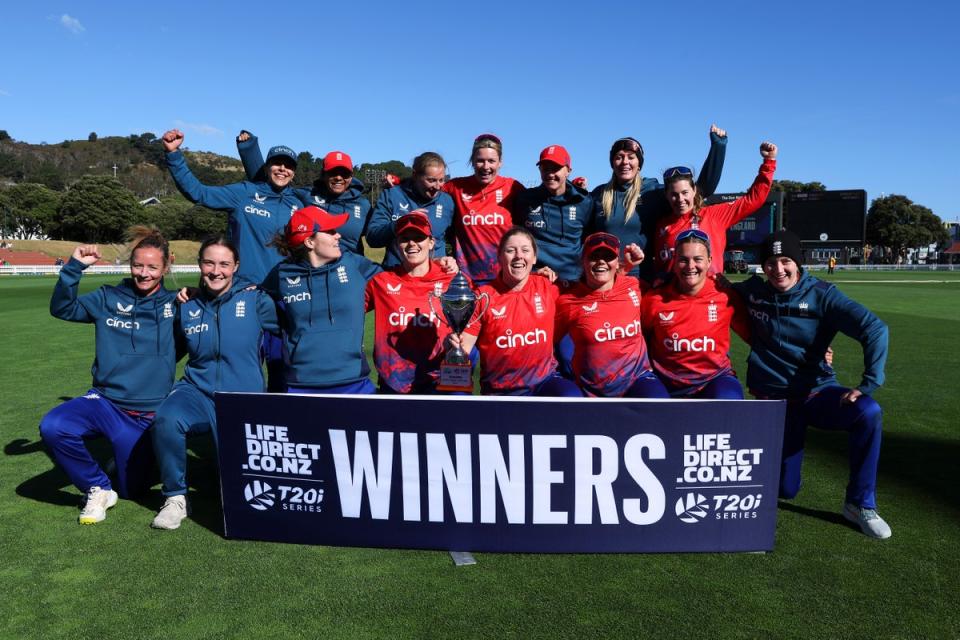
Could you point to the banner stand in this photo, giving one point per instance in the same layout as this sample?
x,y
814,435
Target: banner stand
x,y
462,558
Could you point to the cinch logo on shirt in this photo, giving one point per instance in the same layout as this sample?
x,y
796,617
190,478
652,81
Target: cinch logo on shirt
x,y
511,340
203,326
296,297
117,323
536,224
263,213
609,332
677,344
474,219
402,318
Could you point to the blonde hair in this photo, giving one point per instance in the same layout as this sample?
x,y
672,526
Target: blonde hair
x,y
629,201
486,141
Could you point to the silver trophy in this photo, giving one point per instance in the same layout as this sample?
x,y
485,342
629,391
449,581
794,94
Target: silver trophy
x,y
458,304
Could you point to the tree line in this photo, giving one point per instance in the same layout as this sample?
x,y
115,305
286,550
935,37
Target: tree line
x,y
47,191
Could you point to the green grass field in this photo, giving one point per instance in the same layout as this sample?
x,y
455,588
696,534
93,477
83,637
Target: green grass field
x,y
120,579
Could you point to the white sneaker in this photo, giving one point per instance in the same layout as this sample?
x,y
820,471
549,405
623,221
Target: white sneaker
x,y
868,520
172,513
98,501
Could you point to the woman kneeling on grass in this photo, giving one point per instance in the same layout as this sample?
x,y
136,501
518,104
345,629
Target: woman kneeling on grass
x,y
794,317
132,372
221,329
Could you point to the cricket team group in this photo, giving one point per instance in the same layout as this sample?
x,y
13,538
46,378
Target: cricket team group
x,y
614,292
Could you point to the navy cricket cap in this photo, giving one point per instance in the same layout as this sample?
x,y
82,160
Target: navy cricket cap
x,y
281,151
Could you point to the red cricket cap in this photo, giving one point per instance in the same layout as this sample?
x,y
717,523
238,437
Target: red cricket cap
x,y
309,220
601,240
556,154
414,221
337,159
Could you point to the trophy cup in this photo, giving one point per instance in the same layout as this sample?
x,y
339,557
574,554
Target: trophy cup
x,y
458,304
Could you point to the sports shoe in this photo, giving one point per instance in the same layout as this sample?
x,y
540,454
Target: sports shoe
x,y
98,501
172,513
869,521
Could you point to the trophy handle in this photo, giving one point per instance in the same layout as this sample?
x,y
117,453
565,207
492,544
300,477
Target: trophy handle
x,y
476,316
439,316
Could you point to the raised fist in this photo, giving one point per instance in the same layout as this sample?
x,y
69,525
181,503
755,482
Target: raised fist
x,y
768,150
88,254
172,140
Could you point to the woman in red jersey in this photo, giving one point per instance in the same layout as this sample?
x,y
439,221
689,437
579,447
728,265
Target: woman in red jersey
x,y
515,334
689,212
483,203
408,337
601,313
687,320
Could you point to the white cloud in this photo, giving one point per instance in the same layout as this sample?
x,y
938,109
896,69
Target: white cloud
x,y
71,24
202,129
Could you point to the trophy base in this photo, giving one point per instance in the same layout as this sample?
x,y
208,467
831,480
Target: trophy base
x,y
455,377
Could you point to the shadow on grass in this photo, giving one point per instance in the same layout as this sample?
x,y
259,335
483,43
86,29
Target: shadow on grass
x,y
827,516
54,487
922,463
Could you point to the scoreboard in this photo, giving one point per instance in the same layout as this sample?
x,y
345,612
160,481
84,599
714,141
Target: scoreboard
x,y
828,216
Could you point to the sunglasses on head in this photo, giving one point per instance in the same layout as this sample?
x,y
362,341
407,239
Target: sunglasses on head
x,y
673,172
693,233
486,136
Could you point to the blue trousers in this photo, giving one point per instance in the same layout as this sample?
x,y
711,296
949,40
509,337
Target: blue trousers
x,y
557,386
186,411
64,428
647,386
725,387
271,352
363,386
563,352
863,420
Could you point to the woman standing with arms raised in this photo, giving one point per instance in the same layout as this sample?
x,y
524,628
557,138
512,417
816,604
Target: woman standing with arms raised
x,y
629,205
336,191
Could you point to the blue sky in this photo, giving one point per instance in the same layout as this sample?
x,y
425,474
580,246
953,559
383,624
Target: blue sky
x,y
856,94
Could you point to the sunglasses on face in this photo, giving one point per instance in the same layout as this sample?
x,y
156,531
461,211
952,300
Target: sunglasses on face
x,y
673,172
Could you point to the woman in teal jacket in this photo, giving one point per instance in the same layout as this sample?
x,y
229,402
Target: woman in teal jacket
x,y
220,329
132,372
